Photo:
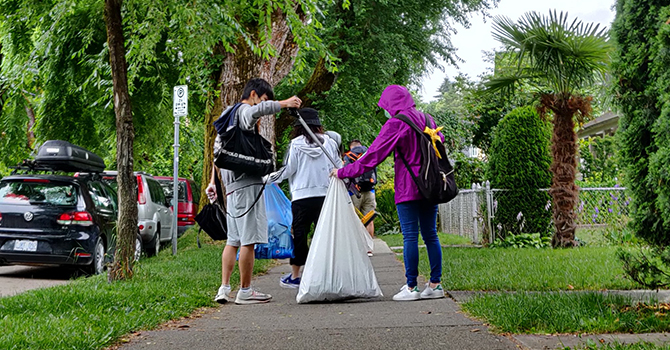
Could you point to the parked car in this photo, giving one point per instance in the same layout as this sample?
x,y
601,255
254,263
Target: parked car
x,y
57,219
154,210
189,199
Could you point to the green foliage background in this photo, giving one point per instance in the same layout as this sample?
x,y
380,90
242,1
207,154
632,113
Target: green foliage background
x,y
637,66
519,162
599,160
640,69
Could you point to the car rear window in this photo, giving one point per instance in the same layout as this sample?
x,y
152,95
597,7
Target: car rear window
x,y
167,189
25,192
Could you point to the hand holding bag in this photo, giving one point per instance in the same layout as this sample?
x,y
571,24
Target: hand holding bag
x,y
212,220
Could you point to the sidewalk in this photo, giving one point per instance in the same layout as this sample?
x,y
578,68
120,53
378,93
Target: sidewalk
x,y
358,324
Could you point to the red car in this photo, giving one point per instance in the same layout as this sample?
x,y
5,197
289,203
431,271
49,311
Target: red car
x,y
189,197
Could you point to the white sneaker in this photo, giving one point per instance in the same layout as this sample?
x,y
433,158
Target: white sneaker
x,y
223,296
407,294
432,293
251,296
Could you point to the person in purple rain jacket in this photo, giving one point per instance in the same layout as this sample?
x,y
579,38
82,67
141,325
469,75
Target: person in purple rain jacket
x,y
413,210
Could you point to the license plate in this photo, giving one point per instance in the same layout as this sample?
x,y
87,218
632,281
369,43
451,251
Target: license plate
x,y
25,246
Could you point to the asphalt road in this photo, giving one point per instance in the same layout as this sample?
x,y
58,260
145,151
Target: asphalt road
x,y
18,279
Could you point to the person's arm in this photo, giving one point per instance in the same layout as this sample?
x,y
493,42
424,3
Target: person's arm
x,y
211,188
249,116
289,168
380,148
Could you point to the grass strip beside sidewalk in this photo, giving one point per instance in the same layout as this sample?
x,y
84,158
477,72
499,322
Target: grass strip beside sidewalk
x,y
395,240
90,313
563,312
529,269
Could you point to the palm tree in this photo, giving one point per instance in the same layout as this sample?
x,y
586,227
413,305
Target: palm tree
x,y
559,59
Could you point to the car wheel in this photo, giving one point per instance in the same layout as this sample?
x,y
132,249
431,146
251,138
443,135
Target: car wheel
x,y
138,247
155,244
97,266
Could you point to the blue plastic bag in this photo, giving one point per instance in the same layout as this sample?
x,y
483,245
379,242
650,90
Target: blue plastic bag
x,y
280,218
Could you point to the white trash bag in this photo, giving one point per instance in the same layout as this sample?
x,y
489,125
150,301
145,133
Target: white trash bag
x,y
337,265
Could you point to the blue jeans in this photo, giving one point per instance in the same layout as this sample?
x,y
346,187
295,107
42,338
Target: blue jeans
x,y
411,215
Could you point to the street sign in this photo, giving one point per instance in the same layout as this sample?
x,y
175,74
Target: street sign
x,y
179,109
180,102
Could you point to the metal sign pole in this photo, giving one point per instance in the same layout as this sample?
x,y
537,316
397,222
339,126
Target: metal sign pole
x,y
180,108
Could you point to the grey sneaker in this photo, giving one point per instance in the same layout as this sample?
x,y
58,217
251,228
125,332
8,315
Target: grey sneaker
x,y
223,295
432,293
251,296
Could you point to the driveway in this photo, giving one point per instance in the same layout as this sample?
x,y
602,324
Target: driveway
x,y
18,279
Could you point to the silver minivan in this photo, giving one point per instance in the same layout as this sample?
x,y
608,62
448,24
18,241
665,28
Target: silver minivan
x,y
154,211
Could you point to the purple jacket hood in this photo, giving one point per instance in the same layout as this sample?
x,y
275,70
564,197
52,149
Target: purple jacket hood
x,y
396,99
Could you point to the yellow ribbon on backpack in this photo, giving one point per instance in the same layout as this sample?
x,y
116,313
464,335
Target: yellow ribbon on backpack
x,y
434,137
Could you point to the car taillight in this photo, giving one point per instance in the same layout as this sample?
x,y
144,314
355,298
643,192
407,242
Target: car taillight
x,y
36,180
76,218
141,227
141,198
0,218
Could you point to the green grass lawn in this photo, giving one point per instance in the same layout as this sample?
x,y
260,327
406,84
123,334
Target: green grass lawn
x,y
529,269
90,313
395,240
563,312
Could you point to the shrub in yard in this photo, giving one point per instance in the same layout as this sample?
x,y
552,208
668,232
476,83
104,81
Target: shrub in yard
x,y
467,170
523,240
642,82
387,221
519,162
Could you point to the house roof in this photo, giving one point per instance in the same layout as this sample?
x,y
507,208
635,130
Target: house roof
x,y
608,120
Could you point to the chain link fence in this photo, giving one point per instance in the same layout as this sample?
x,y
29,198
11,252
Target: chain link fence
x,y
472,213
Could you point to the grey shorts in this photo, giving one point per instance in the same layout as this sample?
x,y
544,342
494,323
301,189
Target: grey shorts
x,y
366,203
251,228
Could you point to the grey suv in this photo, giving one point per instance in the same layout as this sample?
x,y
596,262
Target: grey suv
x,y
154,210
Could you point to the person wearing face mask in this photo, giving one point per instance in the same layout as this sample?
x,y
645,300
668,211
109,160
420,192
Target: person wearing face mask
x,y
306,168
414,210
246,219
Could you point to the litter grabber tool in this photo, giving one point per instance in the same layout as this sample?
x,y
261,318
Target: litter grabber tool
x,y
294,112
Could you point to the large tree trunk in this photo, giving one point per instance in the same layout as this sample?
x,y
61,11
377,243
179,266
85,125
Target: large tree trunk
x,y
237,68
564,191
125,135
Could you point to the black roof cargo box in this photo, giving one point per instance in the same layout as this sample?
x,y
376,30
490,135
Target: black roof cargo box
x,y
64,156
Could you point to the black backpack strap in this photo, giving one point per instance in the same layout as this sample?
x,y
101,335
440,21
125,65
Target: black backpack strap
x,y
410,123
260,194
416,181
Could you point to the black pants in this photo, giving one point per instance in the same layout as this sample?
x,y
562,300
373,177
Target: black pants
x,y
305,213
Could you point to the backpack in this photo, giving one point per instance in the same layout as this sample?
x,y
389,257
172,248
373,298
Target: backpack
x,y
436,175
368,180
240,150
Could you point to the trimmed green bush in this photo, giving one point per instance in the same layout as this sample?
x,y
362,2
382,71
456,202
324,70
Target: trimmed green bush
x,y
640,72
642,80
519,162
